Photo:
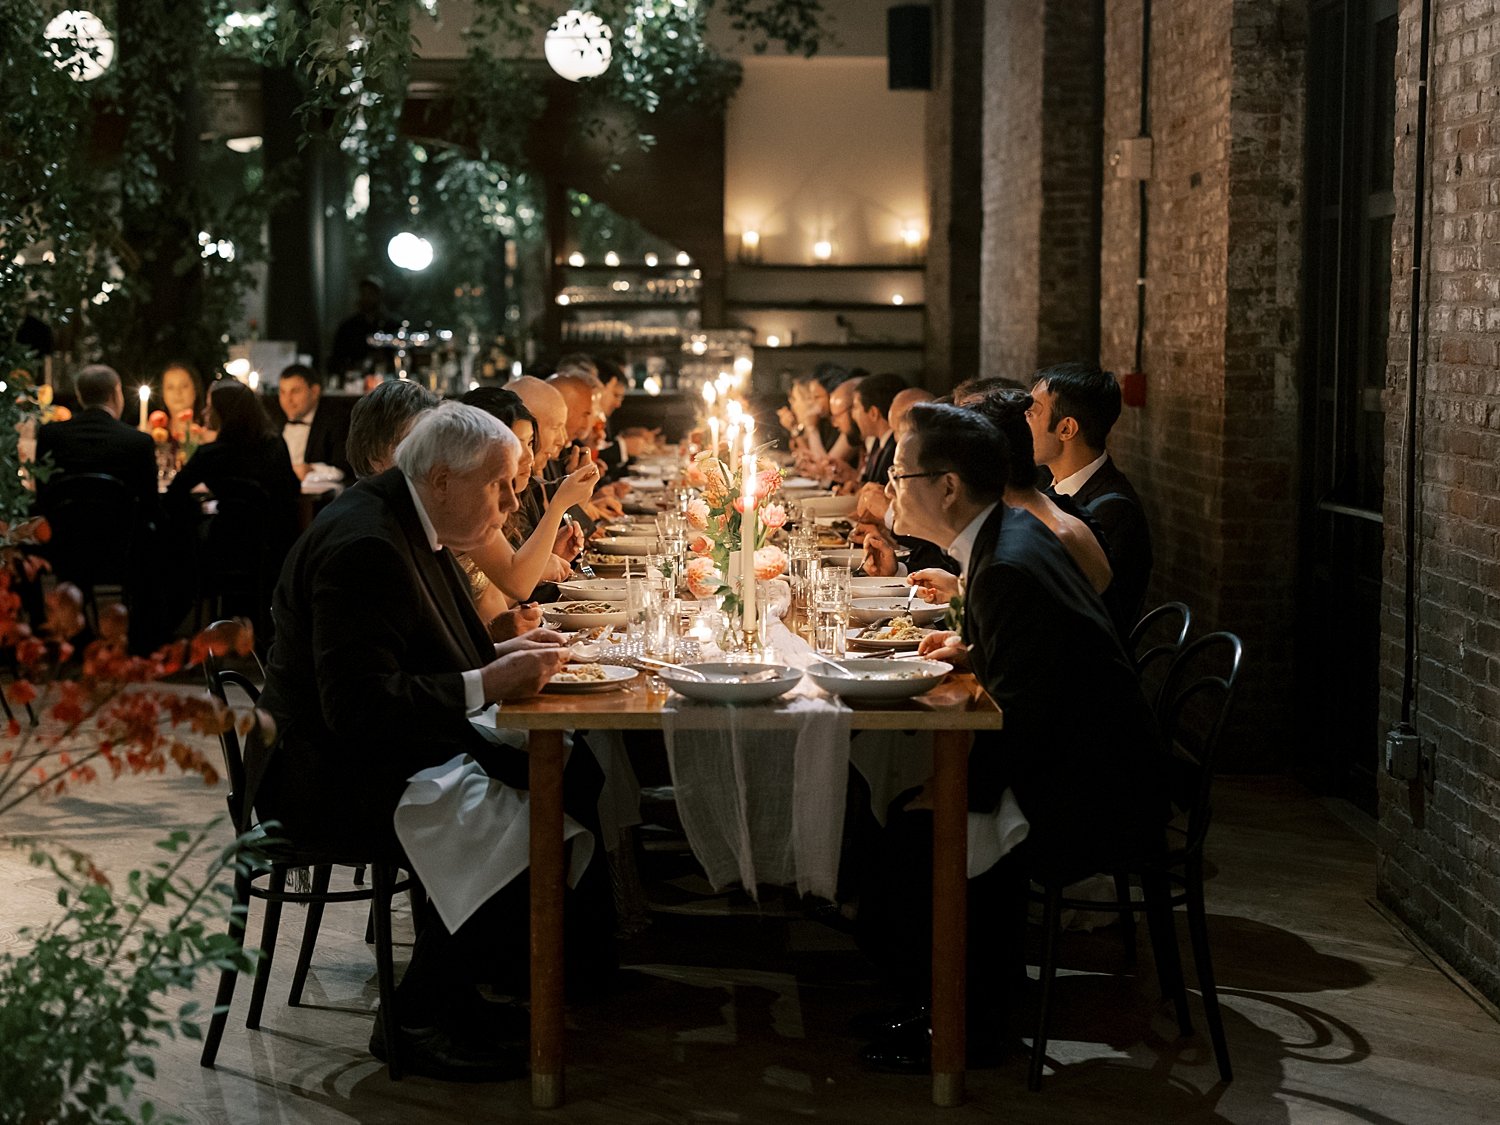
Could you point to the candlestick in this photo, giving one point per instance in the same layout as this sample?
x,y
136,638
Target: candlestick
x,y
145,396
713,434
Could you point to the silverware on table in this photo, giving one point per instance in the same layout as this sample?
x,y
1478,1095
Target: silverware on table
x,y
579,564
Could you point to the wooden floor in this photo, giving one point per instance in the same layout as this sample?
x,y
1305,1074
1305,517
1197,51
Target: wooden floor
x,y
736,1015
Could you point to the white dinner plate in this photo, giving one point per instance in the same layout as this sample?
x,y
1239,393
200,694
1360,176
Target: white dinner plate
x,y
866,587
728,691
803,483
614,676
880,679
595,589
829,505
560,615
848,558
625,545
869,610
856,641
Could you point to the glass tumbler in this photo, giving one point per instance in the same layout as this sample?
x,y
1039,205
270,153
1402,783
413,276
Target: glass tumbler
x,y
831,610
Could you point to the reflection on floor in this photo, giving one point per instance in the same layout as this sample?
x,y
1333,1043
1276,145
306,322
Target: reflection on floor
x,y
741,1015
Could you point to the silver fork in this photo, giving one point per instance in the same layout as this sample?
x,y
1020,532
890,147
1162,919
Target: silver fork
x,y
579,564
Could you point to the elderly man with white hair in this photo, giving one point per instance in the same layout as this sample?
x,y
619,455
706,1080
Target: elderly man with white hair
x,y
378,663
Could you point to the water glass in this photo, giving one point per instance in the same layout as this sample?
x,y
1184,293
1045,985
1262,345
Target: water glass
x,y
639,596
662,617
831,609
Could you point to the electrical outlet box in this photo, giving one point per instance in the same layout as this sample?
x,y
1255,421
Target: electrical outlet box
x,y
1132,159
1403,754
1427,757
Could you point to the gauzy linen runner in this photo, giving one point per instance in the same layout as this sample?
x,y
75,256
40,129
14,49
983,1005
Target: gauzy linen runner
x,y
760,787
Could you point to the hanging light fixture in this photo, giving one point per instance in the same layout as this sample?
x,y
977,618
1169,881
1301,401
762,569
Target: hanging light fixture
x,y
409,252
578,45
81,44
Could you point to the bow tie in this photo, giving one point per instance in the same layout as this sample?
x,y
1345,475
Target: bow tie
x,y
298,422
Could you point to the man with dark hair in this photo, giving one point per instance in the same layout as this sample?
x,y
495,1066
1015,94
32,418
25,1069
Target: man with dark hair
x,y
314,437
1075,406
1068,784
872,414
96,441
380,420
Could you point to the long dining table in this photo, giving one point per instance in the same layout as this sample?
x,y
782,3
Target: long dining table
x,y
952,711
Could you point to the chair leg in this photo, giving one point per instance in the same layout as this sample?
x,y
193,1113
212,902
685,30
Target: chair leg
x,y
384,877
1159,919
320,877
1051,933
370,924
225,995
1126,908
1203,964
268,932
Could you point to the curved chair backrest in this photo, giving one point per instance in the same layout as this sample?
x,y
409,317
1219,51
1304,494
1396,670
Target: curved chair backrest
x,y
1155,642
93,520
220,681
1195,702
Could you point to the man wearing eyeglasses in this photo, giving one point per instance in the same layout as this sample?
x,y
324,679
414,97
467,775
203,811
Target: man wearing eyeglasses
x,y
1071,781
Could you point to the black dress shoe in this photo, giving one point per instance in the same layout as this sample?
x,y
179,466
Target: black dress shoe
x,y
889,1021
437,1052
491,1021
909,1051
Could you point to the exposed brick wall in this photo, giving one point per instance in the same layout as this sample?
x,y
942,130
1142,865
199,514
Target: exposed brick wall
x,y
1439,862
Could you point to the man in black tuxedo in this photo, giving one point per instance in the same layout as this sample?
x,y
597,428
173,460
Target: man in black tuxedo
x,y
378,661
1078,752
315,432
872,414
1075,406
96,441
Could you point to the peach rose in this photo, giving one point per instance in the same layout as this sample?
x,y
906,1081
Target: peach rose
x,y
703,578
700,545
773,516
769,482
697,513
770,562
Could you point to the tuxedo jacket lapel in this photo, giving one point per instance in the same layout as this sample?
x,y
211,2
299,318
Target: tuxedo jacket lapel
x,y
442,579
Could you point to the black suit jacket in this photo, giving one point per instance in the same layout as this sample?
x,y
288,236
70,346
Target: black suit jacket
x,y
327,434
94,441
878,467
264,461
1079,746
373,633
1111,501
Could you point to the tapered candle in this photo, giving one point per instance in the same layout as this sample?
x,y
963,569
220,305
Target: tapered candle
x,y
145,395
748,528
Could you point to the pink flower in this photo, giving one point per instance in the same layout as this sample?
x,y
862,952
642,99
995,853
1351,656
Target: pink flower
x,y
770,562
697,513
703,578
768,482
700,545
773,516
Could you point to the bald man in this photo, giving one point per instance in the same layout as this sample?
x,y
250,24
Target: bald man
x,y
579,396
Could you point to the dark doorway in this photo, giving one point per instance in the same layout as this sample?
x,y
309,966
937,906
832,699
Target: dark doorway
x,y
1350,165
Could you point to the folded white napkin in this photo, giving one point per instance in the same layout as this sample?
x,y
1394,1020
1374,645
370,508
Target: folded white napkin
x,y
993,834
469,835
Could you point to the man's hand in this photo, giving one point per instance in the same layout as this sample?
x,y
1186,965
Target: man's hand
x,y
604,508
870,505
569,542
934,585
946,646
620,488
578,485
523,668
301,468
515,622
575,457
880,554
841,471
556,570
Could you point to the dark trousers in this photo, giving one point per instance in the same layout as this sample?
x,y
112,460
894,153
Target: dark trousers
x,y
895,915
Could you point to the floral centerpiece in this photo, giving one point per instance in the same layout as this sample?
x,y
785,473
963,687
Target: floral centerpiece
x,y
732,524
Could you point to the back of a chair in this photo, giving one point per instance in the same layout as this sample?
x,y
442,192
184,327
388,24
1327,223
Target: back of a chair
x,y
1195,702
1154,644
93,519
221,681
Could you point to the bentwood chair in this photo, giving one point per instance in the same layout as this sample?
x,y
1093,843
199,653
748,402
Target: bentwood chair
x,y
274,861
1195,702
95,528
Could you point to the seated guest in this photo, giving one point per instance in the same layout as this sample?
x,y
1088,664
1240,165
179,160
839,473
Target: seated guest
x,y
842,465
246,449
314,437
380,420
618,446
972,390
1007,410
182,400
1076,405
580,365
504,571
379,659
95,441
556,458
806,419
871,412
1078,754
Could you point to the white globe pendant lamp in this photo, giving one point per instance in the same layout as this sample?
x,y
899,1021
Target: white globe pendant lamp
x,y
578,45
81,44
408,251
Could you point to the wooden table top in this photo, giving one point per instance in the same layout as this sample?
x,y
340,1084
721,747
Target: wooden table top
x,y
958,703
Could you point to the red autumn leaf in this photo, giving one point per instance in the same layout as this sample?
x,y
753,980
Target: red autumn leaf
x,y
21,692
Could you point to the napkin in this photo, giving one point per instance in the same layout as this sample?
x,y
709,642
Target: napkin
x,y
468,835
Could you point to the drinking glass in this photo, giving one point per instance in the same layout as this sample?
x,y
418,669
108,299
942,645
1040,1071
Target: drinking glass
x,y
639,596
662,617
831,610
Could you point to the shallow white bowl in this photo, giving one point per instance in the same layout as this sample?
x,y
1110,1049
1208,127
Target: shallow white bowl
x,y
558,614
624,545
864,587
595,589
720,691
829,505
868,610
888,679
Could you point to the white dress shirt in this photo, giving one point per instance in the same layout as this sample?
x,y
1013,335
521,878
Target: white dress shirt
x,y
1071,484
295,436
473,682
963,543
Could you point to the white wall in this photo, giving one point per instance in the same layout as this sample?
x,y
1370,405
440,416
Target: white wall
x,y
819,148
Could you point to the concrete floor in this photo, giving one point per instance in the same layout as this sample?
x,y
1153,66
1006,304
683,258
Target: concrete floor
x,y
732,1013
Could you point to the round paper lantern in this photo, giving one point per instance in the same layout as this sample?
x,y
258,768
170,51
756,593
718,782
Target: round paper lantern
x,y
409,252
81,43
578,45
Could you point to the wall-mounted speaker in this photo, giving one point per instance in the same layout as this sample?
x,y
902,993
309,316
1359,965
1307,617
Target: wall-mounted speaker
x,y
908,46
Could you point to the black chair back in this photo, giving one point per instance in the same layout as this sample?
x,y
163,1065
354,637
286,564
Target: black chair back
x,y
1195,702
1155,642
221,681
94,523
